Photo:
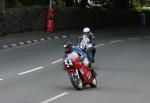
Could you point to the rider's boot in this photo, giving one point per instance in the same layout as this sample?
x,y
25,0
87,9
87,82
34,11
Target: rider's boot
x,y
94,74
93,54
93,60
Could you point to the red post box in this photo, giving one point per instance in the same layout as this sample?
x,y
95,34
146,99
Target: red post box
x,y
50,20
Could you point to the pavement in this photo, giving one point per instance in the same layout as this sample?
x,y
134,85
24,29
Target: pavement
x,y
21,39
33,73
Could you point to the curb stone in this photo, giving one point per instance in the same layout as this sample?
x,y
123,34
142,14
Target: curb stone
x,y
27,42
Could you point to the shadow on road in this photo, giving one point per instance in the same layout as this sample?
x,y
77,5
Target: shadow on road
x,y
71,88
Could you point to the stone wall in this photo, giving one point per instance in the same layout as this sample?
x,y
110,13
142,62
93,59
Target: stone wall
x,y
33,19
22,20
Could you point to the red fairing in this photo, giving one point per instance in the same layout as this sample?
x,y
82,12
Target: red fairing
x,y
85,73
78,65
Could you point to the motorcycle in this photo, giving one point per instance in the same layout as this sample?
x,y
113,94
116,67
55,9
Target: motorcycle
x,y
80,76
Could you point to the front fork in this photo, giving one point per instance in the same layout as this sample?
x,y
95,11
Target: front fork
x,y
75,75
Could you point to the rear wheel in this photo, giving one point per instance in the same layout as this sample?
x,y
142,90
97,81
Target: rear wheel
x,y
94,83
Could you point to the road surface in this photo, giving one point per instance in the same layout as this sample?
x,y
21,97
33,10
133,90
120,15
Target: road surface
x,y
33,73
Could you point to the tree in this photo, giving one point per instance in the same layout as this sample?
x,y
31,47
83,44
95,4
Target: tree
x,y
118,4
121,4
83,3
69,3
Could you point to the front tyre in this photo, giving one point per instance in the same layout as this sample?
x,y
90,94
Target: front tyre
x,y
76,82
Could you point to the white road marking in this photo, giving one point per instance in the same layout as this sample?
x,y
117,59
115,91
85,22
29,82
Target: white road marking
x,y
56,97
14,44
56,37
115,41
64,36
5,46
99,45
135,38
29,71
35,40
57,61
1,79
21,43
42,39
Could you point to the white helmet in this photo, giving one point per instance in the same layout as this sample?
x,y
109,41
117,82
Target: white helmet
x,y
86,30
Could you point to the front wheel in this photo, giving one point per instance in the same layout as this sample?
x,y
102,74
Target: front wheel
x,y
93,84
76,81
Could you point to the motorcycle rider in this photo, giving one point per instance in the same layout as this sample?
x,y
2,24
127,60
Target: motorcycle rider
x,y
87,47
87,41
71,51
89,34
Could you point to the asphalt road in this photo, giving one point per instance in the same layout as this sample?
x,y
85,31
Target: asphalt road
x,y
33,73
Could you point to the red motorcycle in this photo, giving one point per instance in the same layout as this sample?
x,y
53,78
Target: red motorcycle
x,y
80,75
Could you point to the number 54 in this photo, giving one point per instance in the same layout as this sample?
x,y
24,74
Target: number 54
x,y
68,63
